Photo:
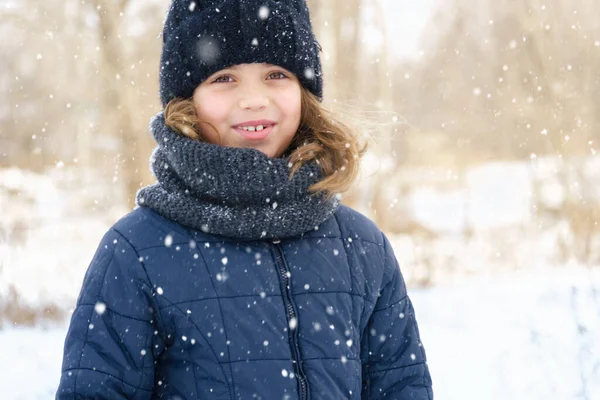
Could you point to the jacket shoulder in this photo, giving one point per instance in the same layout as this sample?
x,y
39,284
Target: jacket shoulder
x,y
355,225
144,228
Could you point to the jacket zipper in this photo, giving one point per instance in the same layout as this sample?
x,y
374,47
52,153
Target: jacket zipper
x,y
291,313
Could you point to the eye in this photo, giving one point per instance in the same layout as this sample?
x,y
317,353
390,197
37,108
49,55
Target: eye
x,y
223,79
277,75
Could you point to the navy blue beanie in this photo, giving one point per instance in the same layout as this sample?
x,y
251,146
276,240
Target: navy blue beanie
x,y
202,37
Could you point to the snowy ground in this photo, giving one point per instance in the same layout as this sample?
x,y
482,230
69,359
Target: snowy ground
x,y
519,336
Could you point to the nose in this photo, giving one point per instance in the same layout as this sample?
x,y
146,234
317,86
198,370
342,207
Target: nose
x,y
254,101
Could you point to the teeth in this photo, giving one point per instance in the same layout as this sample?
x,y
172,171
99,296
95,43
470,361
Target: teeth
x,y
253,128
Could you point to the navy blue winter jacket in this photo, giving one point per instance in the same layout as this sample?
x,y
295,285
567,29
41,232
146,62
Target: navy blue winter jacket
x,y
170,313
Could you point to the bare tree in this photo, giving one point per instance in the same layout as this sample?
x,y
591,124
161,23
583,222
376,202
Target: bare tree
x,y
118,101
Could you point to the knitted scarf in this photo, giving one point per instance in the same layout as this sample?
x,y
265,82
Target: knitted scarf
x,y
233,192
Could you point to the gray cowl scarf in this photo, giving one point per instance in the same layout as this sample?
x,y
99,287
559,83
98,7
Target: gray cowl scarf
x,y
234,192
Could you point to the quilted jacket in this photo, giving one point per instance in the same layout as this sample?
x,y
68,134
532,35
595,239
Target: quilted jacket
x,y
170,313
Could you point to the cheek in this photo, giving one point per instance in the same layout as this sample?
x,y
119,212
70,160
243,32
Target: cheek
x,y
214,115
213,111
290,105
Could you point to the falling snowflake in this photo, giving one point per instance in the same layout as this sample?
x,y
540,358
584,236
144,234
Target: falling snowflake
x,y
100,308
263,12
208,51
222,276
309,73
168,241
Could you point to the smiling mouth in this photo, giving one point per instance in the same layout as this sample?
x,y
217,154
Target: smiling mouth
x,y
252,133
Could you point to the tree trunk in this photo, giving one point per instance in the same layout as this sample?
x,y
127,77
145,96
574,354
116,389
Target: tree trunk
x,y
118,99
346,27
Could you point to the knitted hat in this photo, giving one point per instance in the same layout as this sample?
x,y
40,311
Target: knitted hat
x,y
204,36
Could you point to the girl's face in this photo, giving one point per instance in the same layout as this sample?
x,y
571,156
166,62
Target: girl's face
x,y
250,105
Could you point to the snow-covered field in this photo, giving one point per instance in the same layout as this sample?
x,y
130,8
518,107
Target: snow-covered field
x,y
521,336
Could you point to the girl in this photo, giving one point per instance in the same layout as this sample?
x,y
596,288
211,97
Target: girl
x,y
239,275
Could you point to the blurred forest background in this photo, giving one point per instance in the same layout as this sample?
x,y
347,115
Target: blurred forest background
x,y
485,157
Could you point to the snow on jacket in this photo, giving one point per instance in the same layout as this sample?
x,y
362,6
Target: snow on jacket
x,y
171,313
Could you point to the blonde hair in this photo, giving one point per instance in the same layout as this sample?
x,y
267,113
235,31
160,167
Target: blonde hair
x,y
334,145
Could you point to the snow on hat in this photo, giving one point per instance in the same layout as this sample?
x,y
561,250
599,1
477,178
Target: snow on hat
x,y
204,36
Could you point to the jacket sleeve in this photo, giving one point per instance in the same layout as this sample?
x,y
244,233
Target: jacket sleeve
x,y
394,361
108,351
